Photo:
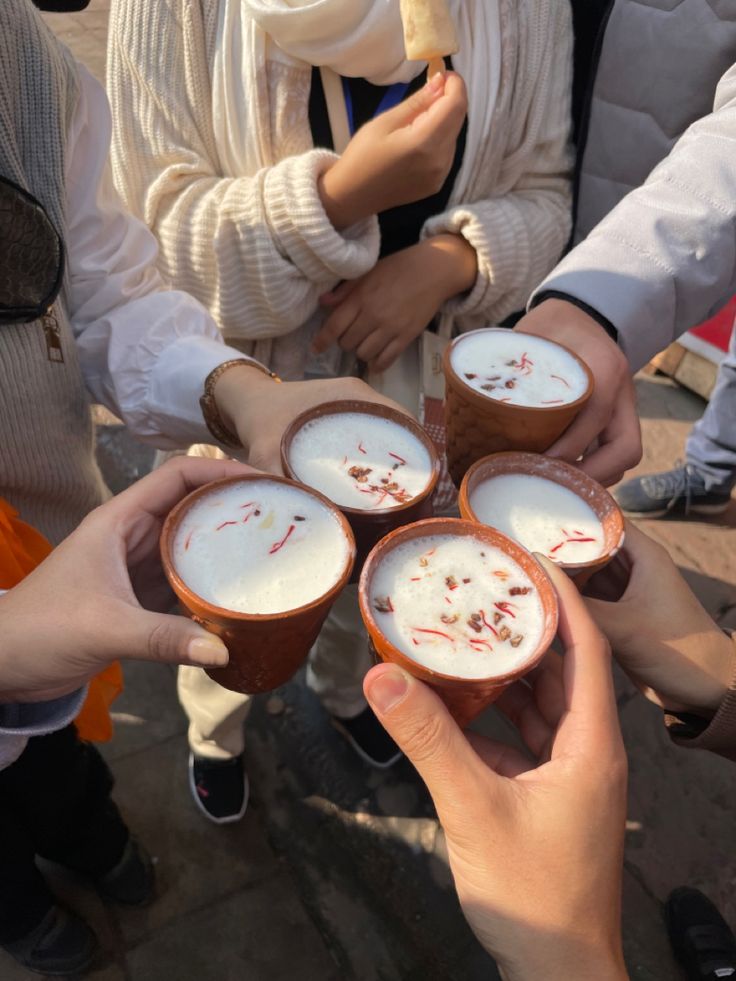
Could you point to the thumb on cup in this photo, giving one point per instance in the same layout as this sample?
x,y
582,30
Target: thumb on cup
x,y
171,640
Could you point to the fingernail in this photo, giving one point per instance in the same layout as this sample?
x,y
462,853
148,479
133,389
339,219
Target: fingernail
x,y
388,689
208,651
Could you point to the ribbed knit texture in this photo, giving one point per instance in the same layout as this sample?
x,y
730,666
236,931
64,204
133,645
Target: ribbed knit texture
x,y
258,249
47,466
517,216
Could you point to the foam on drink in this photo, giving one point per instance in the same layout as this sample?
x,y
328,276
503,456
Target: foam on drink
x,y
517,368
457,605
260,547
360,461
541,515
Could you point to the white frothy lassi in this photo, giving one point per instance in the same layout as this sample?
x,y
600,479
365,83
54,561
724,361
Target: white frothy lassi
x,y
360,461
541,515
260,547
457,606
520,369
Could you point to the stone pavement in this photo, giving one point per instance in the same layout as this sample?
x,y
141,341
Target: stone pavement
x,y
340,872
85,33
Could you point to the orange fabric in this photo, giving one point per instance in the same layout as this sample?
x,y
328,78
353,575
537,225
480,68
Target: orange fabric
x,y
22,548
93,722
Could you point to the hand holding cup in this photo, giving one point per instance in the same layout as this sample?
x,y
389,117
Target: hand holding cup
x,y
535,841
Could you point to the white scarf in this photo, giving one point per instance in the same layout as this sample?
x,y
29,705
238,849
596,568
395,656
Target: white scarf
x,y
355,38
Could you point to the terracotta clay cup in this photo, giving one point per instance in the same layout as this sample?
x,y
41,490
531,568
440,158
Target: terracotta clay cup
x,y
265,649
466,698
477,425
370,527
596,497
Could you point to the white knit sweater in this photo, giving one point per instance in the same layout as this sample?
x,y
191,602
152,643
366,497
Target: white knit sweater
x,y
258,249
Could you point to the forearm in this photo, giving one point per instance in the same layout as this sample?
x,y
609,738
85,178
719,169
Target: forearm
x,y
257,251
516,238
452,263
664,260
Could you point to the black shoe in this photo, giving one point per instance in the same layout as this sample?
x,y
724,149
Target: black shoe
x,y
132,881
681,490
369,739
61,945
219,787
700,937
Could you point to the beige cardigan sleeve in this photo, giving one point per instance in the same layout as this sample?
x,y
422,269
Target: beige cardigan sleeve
x,y
256,250
520,232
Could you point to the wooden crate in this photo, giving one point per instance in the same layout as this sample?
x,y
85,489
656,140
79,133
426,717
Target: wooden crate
x,y
690,369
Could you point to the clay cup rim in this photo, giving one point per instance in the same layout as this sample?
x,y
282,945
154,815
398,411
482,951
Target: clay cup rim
x,y
511,407
537,465
492,537
192,599
342,407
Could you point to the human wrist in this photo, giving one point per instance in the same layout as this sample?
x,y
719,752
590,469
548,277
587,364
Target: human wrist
x,y
344,204
236,387
454,263
568,324
568,298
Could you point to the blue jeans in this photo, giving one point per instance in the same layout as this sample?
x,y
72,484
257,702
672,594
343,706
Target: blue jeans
x,y
711,446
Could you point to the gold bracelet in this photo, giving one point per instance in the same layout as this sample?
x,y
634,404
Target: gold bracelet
x,y
211,412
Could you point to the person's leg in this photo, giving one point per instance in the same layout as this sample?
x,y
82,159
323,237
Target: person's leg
x,y
703,484
216,715
338,663
217,777
340,659
25,899
34,930
711,446
62,792
54,801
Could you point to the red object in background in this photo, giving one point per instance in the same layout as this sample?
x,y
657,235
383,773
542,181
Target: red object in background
x,y
717,330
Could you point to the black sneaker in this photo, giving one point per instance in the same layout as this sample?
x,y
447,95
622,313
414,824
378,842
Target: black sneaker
x,y
60,946
700,937
369,739
132,881
219,787
681,490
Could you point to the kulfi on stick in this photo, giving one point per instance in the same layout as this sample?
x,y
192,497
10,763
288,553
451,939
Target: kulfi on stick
x,y
429,32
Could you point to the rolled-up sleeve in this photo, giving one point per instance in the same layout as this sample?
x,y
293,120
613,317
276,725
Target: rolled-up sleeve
x,y
18,722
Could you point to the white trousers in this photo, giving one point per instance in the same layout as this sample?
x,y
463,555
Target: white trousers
x,y
337,665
